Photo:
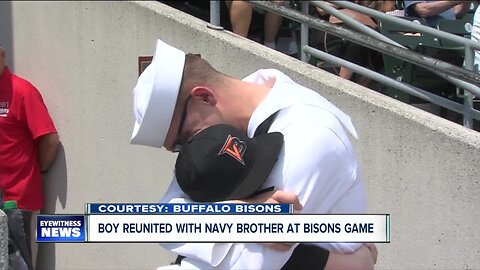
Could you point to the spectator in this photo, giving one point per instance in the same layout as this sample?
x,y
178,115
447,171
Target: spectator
x,y
28,145
354,52
433,11
193,96
241,18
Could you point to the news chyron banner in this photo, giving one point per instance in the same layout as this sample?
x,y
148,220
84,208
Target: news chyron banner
x,y
209,223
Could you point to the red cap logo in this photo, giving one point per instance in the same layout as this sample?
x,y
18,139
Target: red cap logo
x,y
235,148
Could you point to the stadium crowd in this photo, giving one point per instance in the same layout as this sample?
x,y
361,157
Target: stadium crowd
x,y
244,19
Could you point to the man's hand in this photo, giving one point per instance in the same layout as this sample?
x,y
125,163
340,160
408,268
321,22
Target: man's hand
x,y
373,251
276,196
461,9
363,259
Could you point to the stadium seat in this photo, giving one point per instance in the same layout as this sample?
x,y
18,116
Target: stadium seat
x,y
462,27
404,71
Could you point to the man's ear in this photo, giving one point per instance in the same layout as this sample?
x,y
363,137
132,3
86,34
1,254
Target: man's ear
x,y
205,94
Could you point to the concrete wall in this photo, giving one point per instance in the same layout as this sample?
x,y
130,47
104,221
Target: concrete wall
x,y
419,168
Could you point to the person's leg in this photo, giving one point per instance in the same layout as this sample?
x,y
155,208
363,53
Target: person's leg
x,y
27,224
18,234
240,16
354,53
345,73
273,22
34,244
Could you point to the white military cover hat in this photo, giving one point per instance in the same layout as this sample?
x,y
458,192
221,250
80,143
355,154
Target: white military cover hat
x,y
155,95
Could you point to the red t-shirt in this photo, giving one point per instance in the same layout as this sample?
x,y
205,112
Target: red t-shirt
x,y
23,118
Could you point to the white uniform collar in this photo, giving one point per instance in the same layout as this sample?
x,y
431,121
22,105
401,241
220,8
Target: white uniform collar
x,y
285,93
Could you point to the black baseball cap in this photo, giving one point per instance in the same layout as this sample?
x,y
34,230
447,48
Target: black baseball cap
x,y
222,163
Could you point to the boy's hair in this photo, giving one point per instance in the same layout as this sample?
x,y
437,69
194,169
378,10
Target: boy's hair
x,y
197,71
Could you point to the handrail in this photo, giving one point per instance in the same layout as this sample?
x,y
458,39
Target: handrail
x,y
413,57
470,45
381,46
304,33
468,98
354,24
412,90
421,28
463,78
215,13
362,28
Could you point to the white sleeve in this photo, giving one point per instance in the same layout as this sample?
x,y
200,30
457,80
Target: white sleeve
x,y
223,255
321,168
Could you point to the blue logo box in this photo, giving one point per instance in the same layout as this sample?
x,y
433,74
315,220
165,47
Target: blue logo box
x,y
61,228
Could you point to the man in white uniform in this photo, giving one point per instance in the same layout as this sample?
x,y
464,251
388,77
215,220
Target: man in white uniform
x,y
179,95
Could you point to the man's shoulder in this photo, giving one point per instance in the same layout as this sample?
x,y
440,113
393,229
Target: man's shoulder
x,y
22,85
302,116
18,80
303,121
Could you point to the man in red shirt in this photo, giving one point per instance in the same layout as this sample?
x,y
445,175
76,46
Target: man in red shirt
x,y
28,145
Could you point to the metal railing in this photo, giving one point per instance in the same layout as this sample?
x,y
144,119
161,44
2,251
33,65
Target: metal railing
x,y
464,78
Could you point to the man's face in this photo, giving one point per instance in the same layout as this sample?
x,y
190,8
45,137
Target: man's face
x,y
197,113
175,135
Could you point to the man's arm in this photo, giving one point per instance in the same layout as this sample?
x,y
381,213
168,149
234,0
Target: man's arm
x,y
47,149
41,127
429,9
252,256
362,259
461,9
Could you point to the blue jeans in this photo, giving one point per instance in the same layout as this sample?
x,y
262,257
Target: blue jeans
x,y
19,224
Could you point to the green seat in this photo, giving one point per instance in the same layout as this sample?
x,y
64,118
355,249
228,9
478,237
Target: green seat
x,y
462,27
425,44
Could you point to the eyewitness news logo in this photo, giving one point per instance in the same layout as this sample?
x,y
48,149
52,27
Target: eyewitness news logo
x,y
61,228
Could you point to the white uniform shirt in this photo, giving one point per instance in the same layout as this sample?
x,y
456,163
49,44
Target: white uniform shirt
x,y
317,163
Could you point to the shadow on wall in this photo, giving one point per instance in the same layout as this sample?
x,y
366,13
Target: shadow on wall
x,y
6,38
54,186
